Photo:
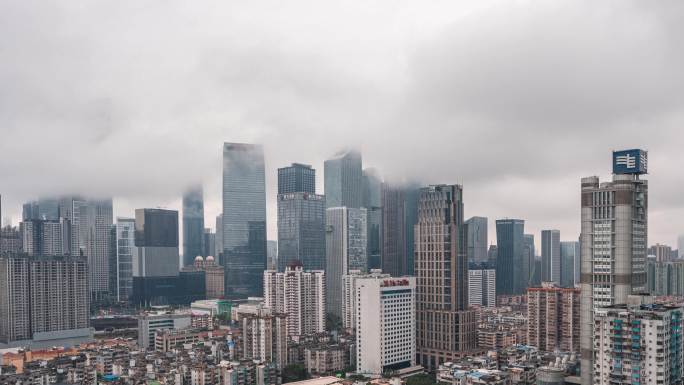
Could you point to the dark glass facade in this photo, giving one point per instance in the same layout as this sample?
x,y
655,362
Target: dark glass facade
x,y
394,258
512,268
301,230
528,254
244,220
157,291
372,201
156,228
296,178
193,225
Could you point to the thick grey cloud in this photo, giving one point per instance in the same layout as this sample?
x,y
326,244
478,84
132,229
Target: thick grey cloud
x,y
516,100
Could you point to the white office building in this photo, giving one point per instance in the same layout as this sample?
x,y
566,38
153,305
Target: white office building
x,y
482,287
299,294
149,323
349,293
385,324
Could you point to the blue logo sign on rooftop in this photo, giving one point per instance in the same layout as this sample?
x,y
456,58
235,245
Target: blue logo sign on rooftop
x,y
633,161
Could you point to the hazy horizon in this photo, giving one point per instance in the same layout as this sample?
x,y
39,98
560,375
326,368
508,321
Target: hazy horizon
x,y
515,100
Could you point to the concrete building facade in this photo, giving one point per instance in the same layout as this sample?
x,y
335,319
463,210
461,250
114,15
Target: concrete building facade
x,y
445,327
613,243
385,324
301,295
553,315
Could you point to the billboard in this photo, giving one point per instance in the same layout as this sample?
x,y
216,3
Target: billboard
x,y
633,161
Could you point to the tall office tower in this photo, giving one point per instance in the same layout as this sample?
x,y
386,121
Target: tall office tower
x,y
301,219
208,243
551,260
477,239
193,224
218,253
345,250
529,256
394,258
680,246
156,238
651,349
492,254
411,197
482,287
125,252
91,223
613,243
296,178
10,240
299,294
272,255
569,255
244,219
264,335
385,324
44,208
512,268
45,237
15,317
553,316
536,280
372,201
44,299
344,180
661,252
446,329
350,298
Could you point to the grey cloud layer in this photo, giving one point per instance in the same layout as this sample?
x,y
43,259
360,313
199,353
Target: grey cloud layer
x,y
516,100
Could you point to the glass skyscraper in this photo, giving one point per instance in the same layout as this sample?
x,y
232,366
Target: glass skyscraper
x,y
477,239
301,230
123,250
296,178
345,251
394,259
372,186
344,180
244,219
156,240
529,255
301,218
193,224
512,269
569,256
551,257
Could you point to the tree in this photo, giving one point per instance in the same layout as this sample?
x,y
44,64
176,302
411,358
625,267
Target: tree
x,y
421,379
333,322
294,372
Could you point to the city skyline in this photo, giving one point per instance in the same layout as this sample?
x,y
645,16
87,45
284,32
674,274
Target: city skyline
x,y
170,119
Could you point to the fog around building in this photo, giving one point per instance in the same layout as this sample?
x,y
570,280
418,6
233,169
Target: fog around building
x,y
515,100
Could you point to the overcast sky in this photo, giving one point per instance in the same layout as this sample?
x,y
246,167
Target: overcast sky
x,y
516,100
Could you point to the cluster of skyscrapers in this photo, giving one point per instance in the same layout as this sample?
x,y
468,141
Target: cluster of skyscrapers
x,y
398,265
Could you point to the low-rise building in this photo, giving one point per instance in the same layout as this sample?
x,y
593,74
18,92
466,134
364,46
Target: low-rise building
x,y
149,323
